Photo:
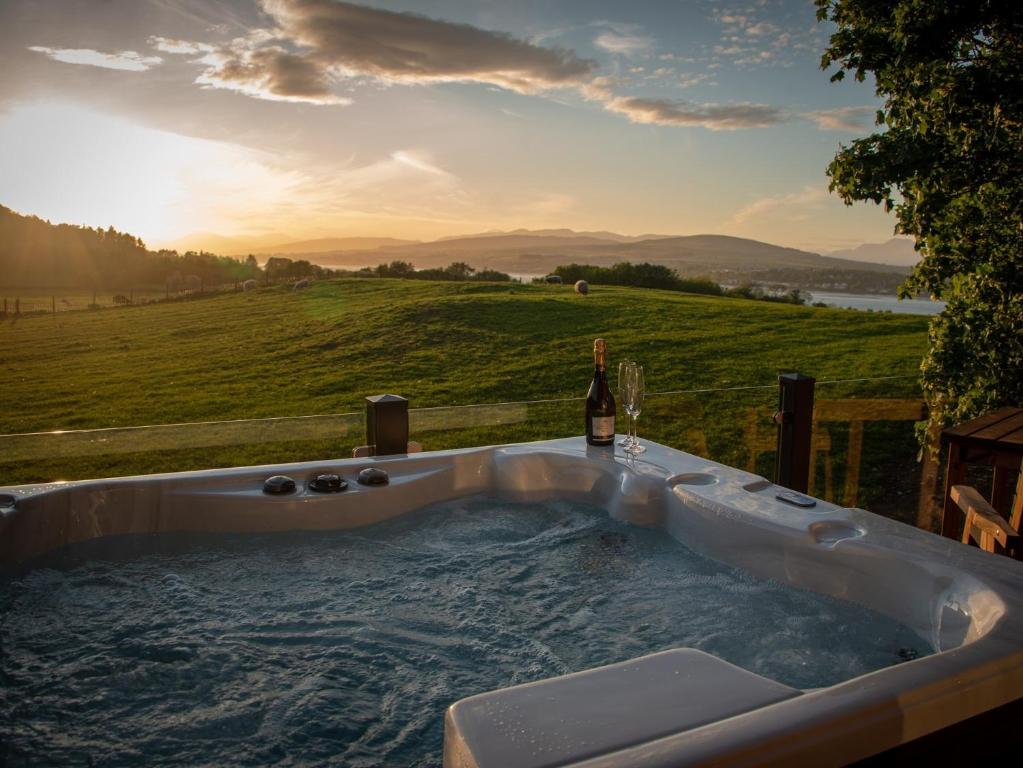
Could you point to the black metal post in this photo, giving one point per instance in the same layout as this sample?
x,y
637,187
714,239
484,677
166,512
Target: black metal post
x,y
387,424
795,427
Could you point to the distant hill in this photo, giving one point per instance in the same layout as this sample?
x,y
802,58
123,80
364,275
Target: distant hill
x,y
34,252
228,246
327,244
536,252
524,251
898,250
276,244
613,237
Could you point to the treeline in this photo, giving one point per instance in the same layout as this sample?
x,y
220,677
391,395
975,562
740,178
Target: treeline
x,y
645,275
642,275
459,270
35,253
753,291
180,272
278,268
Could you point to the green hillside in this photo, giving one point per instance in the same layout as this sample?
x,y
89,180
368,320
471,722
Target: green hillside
x,y
274,352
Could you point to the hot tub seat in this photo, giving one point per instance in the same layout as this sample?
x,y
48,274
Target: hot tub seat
x,y
574,717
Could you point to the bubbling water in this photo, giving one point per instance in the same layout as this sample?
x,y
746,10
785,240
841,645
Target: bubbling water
x,y
346,647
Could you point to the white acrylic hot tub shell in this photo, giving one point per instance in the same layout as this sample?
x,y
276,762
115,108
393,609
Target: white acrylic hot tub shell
x,y
966,603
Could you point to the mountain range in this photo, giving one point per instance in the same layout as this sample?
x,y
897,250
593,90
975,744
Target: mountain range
x,y
898,250
539,251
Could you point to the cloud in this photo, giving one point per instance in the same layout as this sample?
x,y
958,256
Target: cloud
x,y
419,162
759,29
623,43
687,80
716,117
124,60
852,119
345,40
313,46
794,204
733,18
179,47
317,43
747,40
270,73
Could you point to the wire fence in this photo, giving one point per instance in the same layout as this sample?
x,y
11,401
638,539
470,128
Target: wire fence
x,y
16,303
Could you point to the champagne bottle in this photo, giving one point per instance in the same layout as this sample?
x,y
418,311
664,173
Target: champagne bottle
x,y
600,403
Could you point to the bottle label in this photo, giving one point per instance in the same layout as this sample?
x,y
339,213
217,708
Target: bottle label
x,y
603,427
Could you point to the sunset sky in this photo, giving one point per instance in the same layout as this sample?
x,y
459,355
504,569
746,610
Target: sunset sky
x,y
294,119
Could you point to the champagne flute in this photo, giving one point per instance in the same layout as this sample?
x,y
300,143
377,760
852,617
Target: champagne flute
x,y
636,389
623,374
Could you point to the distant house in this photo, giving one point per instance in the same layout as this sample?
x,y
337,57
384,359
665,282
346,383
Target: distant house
x,y
553,279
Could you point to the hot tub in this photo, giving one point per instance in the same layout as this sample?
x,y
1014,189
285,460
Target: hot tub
x,y
678,706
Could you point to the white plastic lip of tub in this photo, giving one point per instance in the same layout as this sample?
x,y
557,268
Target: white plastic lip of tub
x,y
966,603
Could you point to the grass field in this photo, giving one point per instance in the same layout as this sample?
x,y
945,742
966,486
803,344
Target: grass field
x,y
274,352
30,301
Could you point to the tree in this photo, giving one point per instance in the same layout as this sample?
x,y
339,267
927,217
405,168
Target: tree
x,y
459,270
396,269
948,159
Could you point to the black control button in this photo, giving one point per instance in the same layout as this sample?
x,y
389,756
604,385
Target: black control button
x,y
373,476
278,485
328,484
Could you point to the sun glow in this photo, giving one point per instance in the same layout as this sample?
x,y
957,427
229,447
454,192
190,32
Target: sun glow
x,y
69,164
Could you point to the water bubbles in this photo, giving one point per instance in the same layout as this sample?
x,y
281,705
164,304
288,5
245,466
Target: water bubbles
x,y
348,646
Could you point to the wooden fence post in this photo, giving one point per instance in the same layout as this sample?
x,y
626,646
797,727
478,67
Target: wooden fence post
x,y
386,425
795,429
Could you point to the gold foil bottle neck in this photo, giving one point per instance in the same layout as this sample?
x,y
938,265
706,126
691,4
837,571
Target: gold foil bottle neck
x,y
600,352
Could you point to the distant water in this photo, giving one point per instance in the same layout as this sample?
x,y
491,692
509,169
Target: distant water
x,y
523,277
861,301
880,303
345,647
